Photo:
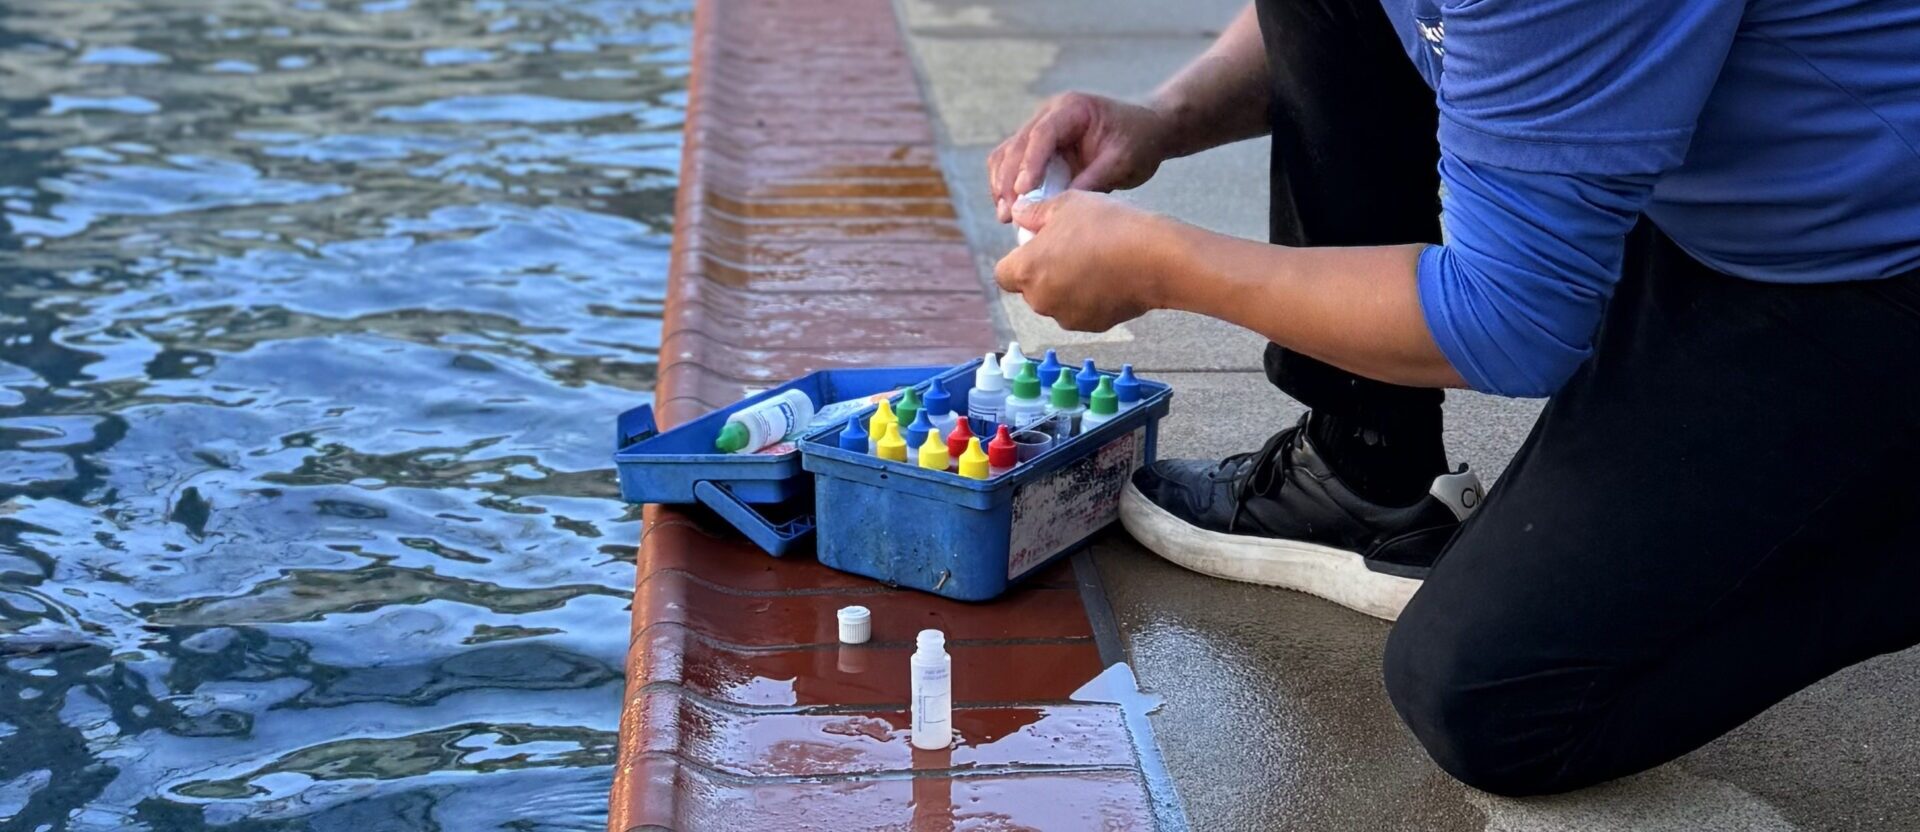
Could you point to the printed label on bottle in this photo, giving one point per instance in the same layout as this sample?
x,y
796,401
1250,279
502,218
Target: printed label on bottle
x,y
932,699
773,422
982,417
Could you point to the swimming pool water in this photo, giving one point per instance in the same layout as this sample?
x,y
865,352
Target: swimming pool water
x,y
314,318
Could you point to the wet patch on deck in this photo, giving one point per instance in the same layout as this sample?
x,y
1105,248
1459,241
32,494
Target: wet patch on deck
x,y
814,229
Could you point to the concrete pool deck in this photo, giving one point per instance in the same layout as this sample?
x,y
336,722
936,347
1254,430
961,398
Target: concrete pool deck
x,y
820,185
813,229
1280,690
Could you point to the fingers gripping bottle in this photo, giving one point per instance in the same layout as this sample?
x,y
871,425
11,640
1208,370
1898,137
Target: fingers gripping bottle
x,y
1054,180
932,692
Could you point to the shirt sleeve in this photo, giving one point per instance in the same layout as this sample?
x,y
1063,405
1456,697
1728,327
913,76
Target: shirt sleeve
x,y
1556,119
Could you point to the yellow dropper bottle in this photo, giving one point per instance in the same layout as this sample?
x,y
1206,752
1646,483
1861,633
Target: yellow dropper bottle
x,y
891,446
973,463
877,426
933,453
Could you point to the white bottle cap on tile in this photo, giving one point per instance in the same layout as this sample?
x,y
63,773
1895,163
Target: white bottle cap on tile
x,y
856,625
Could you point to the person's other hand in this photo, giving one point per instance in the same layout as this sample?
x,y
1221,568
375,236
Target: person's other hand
x,y
1094,262
1109,144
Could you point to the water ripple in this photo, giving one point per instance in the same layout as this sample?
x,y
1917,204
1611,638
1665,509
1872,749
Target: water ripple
x,y
313,320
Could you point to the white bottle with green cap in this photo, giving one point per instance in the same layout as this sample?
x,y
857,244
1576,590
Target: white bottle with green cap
x,y
1102,406
1024,407
765,423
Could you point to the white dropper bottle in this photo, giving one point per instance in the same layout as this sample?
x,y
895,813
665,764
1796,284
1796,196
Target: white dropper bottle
x,y
932,692
987,400
1011,361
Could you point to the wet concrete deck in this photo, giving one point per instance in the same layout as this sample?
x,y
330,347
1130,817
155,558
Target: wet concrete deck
x,y
813,229
1275,716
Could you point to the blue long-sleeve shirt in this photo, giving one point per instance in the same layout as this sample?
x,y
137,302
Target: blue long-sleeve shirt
x,y
1774,140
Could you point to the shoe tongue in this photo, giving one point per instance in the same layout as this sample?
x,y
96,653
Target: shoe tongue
x,y
1232,467
1266,467
1303,449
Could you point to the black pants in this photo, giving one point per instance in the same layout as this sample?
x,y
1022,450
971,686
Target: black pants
x,y
1719,509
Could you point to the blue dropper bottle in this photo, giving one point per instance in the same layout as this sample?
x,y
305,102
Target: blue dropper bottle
x,y
1088,379
1127,388
938,405
1050,368
917,432
854,438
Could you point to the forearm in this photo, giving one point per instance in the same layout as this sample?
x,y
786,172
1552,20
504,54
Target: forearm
x,y
1221,96
1355,308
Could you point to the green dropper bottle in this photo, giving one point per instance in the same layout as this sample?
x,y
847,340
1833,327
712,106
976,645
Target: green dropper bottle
x,y
1024,408
908,406
1102,406
1063,407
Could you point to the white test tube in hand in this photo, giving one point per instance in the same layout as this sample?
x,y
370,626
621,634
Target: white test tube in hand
x,y
1055,181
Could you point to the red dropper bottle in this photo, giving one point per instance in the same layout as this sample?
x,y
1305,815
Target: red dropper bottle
x,y
1002,455
958,437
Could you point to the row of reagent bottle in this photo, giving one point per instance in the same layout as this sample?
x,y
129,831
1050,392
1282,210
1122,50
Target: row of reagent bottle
x,y
1013,390
958,451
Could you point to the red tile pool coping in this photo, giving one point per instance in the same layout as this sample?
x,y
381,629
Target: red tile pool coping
x,y
814,229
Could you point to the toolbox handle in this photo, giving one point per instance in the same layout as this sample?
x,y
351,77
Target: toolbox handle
x,y
635,425
776,538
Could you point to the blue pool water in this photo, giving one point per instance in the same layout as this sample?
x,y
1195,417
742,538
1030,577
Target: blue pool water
x,y
314,319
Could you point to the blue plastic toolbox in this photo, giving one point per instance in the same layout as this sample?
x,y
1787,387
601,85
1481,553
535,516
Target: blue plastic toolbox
x,y
969,539
767,496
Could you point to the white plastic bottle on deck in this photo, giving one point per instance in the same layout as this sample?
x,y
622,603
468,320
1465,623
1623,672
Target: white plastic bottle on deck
x,y
932,692
764,423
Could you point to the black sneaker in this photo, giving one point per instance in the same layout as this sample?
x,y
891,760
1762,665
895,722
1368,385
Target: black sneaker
x,y
1279,516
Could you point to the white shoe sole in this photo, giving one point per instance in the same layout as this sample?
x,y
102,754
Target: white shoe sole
x,y
1337,575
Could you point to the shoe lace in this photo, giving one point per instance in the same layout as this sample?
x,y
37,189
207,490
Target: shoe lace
x,y
1264,475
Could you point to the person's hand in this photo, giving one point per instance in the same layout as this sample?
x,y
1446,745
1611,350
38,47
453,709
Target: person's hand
x,y
1094,262
1109,144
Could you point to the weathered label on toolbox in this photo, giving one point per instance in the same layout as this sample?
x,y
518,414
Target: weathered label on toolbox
x,y
1071,503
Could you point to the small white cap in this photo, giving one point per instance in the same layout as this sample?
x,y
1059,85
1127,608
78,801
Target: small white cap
x,y
1010,362
856,625
987,376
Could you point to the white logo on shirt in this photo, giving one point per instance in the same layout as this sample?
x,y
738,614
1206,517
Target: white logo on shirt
x,y
1435,33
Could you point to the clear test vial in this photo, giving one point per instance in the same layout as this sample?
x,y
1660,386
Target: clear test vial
x,y
932,687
